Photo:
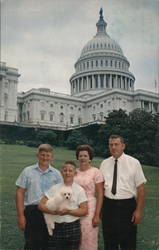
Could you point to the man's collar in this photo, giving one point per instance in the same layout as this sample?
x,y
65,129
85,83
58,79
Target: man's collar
x,y
122,155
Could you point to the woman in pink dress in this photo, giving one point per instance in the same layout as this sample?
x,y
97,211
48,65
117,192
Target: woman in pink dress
x,y
91,179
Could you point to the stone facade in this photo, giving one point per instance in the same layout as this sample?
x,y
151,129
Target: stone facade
x,y
101,83
8,93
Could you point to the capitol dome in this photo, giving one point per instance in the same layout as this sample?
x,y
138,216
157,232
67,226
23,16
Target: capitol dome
x,y
101,65
101,42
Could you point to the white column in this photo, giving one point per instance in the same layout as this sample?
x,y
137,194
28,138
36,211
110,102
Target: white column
x,y
78,85
99,82
110,81
82,87
87,83
116,81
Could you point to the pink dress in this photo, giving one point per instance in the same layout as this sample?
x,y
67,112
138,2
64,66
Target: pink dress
x,y
87,179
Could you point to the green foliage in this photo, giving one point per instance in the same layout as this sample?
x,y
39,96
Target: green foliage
x,y
46,136
75,139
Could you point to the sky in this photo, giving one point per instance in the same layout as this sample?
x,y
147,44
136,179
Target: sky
x,y
44,38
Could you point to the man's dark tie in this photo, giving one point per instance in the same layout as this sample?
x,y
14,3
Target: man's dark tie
x,y
114,178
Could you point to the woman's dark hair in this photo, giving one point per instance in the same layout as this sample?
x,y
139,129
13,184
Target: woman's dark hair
x,y
87,148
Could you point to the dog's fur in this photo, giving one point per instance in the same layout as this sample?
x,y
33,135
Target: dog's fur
x,y
59,201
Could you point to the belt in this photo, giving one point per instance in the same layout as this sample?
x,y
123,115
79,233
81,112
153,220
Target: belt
x,y
113,200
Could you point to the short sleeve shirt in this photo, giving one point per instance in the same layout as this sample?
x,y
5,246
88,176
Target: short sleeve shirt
x,y
78,197
129,176
37,182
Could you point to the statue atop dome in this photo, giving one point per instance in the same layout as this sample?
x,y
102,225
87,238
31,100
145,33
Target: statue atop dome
x,y
101,13
101,24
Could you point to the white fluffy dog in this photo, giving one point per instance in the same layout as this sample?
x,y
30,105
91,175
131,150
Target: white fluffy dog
x,y
59,201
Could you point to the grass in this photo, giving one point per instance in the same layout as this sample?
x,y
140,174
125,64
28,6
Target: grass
x,y
13,158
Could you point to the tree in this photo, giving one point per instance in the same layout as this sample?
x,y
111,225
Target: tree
x,y
117,122
75,139
46,136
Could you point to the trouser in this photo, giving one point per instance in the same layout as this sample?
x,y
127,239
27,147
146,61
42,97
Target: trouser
x,y
35,233
66,236
118,230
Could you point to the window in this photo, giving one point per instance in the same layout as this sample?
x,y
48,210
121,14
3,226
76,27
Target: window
x,y
61,117
28,115
6,116
42,115
51,117
71,120
94,117
5,98
101,116
79,120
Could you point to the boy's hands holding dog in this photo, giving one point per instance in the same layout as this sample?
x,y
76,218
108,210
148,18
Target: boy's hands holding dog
x,y
62,212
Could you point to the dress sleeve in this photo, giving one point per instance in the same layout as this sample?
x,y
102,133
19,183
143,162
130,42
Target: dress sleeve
x,y
98,176
82,196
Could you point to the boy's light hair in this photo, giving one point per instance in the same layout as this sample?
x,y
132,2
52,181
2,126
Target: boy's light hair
x,y
45,148
70,163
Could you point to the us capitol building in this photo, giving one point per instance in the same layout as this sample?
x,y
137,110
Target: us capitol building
x,y
101,83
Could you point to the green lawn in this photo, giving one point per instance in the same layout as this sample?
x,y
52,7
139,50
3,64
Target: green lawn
x,y
14,158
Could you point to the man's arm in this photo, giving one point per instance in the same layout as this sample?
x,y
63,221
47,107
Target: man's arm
x,y
20,207
137,215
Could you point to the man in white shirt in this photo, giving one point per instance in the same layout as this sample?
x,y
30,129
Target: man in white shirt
x,y
124,197
67,233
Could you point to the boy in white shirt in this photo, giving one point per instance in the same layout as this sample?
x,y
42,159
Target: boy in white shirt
x,y
66,234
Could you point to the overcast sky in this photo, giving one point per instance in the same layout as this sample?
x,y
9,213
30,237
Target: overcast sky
x,y
43,38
